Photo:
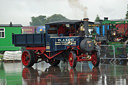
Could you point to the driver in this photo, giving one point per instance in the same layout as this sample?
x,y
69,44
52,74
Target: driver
x,y
72,30
62,30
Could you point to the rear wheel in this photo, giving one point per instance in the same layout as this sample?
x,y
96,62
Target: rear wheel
x,y
95,58
54,62
72,59
28,58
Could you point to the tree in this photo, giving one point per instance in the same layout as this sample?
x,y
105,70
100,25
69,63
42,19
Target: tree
x,y
97,18
126,15
38,21
41,20
56,17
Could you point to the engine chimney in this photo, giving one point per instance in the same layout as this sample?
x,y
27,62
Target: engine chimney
x,y
86,26
85,19
101,27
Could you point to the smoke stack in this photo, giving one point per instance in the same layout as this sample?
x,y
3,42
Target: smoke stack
x,y
101,27
86,26
85,19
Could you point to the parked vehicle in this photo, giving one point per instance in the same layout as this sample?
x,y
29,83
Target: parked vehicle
x,y
6,31
112,30
54,47
114,33
28,29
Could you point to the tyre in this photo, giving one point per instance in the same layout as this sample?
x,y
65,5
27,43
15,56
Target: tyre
x,y
72,59
28,58
54,62
95,58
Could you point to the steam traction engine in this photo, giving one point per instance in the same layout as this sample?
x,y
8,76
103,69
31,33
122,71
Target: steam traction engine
x,y
53,48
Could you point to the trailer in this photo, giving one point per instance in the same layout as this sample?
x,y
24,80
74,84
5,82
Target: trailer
x,y
53,48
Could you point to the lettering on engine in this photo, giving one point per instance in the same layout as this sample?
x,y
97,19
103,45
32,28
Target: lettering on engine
x,y
65,42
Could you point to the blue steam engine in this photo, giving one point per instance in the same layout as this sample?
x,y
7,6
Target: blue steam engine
x,y
53,48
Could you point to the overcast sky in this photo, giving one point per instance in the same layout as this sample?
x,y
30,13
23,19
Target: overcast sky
x,y
21,11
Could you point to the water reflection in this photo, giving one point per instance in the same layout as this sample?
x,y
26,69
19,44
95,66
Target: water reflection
x,y
10,73
82,78
57,76
2,75
82,75
43,74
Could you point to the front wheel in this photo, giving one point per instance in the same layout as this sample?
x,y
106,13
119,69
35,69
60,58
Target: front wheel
x,y
28,58
72,59
95,58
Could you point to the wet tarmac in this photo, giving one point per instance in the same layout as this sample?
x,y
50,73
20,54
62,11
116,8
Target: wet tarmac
x,y
44,74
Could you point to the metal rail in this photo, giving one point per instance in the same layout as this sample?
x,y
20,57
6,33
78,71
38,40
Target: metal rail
x,y
114,58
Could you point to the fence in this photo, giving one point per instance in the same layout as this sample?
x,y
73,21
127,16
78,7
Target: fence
x,y
114,53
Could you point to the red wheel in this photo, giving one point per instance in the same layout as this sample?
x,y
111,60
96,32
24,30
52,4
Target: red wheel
x,y
72,59
28,58
95,58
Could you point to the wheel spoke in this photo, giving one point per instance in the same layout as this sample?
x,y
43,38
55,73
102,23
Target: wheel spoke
x,y
72,59
25,58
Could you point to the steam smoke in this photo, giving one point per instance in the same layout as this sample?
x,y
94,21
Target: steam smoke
x,y
75,4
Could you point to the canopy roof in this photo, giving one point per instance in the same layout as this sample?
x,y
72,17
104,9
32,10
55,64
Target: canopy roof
x,y
67,22
10,25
